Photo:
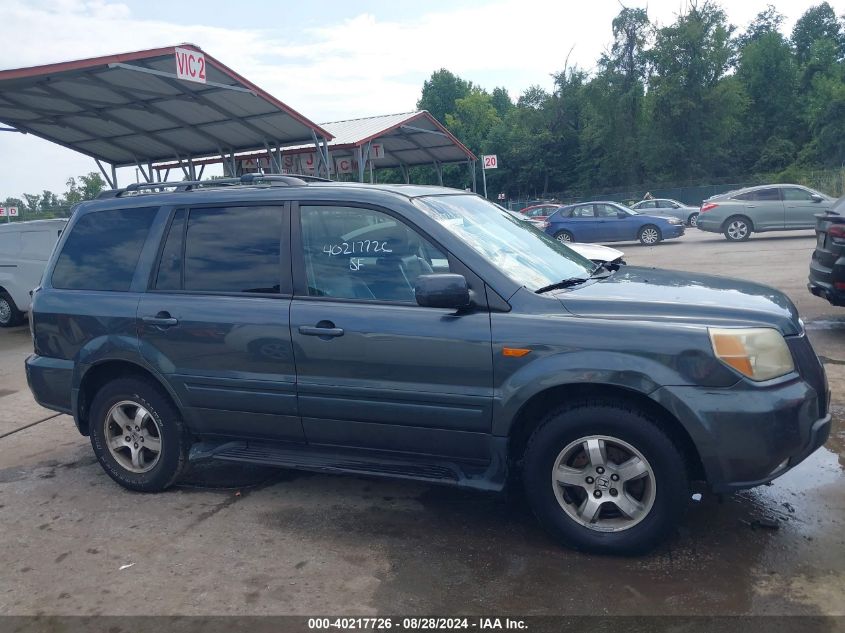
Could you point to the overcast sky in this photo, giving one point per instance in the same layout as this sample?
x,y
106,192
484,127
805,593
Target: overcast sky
x,y
330,60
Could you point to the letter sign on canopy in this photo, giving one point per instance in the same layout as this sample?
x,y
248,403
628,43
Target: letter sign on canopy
x,y
190,65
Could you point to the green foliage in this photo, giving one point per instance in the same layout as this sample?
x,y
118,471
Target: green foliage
x,y
695,101
440,93
817,23
49,205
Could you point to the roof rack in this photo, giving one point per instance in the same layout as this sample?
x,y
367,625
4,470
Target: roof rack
x,y
288,180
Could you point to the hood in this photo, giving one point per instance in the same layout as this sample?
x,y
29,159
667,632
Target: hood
x,y
596,252
662,218
655,294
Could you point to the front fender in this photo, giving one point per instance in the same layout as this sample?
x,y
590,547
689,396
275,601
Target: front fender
x,y
635,373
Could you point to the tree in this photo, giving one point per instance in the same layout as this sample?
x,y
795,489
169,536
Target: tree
x,y
817,23
769,77
440,93
694,110
473,118
501,100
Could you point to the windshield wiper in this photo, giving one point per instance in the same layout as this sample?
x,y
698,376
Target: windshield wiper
x,y
565,283
575,281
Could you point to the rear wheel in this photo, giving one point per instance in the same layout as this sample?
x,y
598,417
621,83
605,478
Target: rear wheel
x,y
693,220
564,236
10,316
602,477
137,435
737,228
650,235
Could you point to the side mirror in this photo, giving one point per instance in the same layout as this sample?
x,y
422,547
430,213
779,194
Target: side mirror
x,y
442,290
816,197
621,215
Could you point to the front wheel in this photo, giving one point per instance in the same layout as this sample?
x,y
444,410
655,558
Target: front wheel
x,y
564,236
137,435
602,477
650,235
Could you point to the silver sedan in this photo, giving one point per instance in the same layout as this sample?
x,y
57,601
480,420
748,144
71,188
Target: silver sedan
x,y
669,208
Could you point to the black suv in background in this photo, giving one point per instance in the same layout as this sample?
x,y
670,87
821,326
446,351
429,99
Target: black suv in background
x,y
421,333
827,267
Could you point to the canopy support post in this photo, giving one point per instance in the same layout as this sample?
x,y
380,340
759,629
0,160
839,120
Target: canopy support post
x,y
109,180
472,172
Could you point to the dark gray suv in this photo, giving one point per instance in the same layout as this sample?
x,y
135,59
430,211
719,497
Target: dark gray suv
x,y
421,333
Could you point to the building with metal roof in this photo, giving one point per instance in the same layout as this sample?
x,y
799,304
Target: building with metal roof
x,y
389,141
176,104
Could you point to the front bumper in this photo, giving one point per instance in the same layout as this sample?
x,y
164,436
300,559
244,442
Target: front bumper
x,y
674,230
749,434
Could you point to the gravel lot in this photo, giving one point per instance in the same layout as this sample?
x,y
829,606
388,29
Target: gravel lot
x,y
245,540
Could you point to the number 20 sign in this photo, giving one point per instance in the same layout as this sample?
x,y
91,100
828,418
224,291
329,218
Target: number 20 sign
x,y
490,161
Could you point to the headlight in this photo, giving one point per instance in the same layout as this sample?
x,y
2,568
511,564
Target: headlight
x,y
674,221
759,353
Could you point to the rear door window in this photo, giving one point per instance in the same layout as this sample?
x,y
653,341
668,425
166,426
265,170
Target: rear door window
x,y
584,211
102,250
228,250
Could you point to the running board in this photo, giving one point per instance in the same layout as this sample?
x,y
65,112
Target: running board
x,y
331,460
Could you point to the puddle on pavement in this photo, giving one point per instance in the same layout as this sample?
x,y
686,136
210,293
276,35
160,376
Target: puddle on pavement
x,y
464,552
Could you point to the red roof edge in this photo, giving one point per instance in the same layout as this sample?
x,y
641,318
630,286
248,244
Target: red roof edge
x,y
423,114
91,62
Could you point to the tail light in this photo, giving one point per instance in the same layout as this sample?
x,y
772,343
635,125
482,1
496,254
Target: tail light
x,y
837,232
707,206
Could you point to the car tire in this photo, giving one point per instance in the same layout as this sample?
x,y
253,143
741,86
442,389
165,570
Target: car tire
x,y
649,235
692,220
656,498
10,316
737,228
564,237
130,418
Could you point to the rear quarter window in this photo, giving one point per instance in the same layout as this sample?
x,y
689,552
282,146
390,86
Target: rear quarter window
x,y
102,250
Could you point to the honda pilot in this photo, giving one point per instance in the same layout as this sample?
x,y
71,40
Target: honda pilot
x,y
420,333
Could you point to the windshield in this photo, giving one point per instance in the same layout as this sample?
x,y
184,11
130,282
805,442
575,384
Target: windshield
x,y
523,253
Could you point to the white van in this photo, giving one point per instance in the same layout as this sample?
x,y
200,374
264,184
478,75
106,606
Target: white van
x,y
25,248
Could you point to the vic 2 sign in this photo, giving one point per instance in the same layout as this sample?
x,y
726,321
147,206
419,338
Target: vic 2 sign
x,y
190,65
490,161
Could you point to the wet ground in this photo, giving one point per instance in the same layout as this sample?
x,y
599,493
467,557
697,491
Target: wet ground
x,y
246,540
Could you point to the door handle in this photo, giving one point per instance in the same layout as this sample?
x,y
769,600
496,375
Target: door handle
x,y
162,319
328,332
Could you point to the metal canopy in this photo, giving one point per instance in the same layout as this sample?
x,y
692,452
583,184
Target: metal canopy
x,y
409,138
131,109
392,140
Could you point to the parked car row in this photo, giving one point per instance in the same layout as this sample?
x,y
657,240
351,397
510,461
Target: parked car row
x,y
736,214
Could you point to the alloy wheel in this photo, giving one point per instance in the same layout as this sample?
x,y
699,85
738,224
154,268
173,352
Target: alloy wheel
x,y
5,310
133,436
650,235
604,483
693,220
566,238
737,230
